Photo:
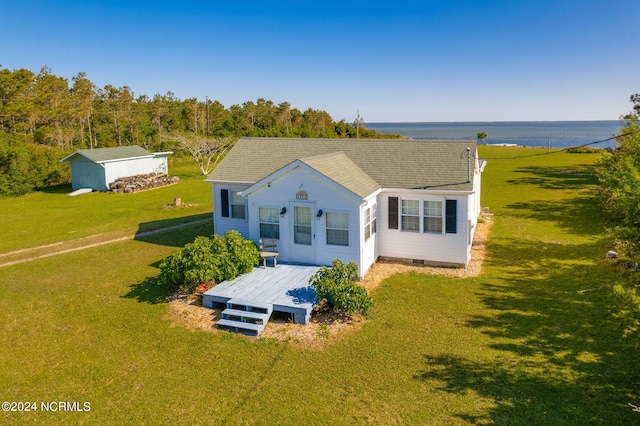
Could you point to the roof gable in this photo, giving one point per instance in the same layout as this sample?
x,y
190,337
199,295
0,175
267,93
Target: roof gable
x,y
103,155
340,169
390,163
343,173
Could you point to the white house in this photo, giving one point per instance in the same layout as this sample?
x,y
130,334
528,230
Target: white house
x,y
352,199
97,168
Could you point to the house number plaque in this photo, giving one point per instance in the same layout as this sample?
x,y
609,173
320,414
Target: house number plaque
x,y
302,195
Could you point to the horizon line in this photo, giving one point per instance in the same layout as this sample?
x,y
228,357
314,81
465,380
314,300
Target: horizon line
x,y
492,121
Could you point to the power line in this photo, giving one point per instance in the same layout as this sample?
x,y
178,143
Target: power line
x,y
562,150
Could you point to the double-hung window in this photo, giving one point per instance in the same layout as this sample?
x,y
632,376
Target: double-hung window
x,y
337,229
432,217
269,223
237,205
369,222
410,215
374,208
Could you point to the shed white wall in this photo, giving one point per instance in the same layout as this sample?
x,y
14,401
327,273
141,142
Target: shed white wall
x,y
87,174
132,167
441,248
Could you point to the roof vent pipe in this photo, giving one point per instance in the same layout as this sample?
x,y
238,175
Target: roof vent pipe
x,y
468,165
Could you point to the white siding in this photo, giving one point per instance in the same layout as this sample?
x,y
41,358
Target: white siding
x,y
124,168
223,224
160,164
323,195
87,174
444,248
326,195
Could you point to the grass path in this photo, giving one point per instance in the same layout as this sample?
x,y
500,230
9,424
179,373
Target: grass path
x,y
47,250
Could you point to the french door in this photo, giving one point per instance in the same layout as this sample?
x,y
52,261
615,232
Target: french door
x,y
303,244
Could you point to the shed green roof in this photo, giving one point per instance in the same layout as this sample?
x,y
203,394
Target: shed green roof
x,y
390,163
102,155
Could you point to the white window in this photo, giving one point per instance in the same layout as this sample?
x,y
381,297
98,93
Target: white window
x,y
269,220
410,215
432,217
374,225
338,229
237,205
369,222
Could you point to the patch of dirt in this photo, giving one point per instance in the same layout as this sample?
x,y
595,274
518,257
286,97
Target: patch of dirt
x,y
325,326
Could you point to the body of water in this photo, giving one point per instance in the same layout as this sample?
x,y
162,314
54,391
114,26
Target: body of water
x,y
559,134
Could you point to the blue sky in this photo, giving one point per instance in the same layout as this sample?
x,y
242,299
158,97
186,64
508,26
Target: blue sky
x,y
392,61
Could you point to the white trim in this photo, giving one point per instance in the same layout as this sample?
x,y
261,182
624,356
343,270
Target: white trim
x,y
228,182
106,161
303,166
429,191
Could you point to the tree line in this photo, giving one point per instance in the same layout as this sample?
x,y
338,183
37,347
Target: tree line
x,y
45,116
47,109
619,178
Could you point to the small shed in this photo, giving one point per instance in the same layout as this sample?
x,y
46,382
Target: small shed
x,y
97,168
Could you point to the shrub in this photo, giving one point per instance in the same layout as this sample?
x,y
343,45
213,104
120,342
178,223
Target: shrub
x,y
206,259
28,167
584,150
337,285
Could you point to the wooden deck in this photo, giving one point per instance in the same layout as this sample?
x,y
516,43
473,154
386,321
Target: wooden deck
x,y
285,287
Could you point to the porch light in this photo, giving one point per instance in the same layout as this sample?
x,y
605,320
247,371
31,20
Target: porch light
x,y
283,211
319,215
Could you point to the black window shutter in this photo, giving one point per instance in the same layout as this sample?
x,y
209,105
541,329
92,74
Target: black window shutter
x,y
393,212
224,198
451,216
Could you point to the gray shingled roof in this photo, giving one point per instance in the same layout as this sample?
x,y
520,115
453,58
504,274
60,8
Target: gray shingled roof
x,y
101,155
390,163
340,169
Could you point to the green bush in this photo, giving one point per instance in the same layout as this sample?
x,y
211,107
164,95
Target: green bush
x,y
337,285
215,258
28,167
629,308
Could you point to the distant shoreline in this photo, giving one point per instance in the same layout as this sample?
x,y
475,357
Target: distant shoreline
x,y
554,134
492,122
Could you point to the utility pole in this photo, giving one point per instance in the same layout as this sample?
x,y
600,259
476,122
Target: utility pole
x,y
207,99
359,121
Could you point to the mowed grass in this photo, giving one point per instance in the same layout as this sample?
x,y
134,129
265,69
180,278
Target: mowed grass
x,y
51,216
517,345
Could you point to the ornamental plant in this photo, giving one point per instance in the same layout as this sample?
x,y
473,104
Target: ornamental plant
x,y
337,285
216,258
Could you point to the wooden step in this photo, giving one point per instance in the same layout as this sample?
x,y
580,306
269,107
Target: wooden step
x,y
250,306
248,328
245,316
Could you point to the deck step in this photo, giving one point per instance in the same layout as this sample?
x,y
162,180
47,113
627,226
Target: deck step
x,y
245,316
247,328
249,305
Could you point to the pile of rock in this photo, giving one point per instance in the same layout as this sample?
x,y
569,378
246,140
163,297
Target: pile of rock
x,y
140,182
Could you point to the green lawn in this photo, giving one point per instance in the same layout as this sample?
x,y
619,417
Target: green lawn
x,y
517,345
51,216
